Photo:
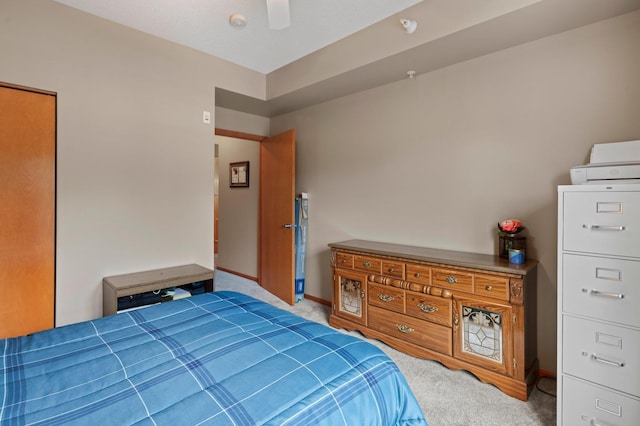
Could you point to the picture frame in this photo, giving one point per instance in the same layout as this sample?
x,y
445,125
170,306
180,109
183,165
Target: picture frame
x,y
239,174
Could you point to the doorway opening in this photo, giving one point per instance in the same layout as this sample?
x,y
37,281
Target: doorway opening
x,y
236,208
256,235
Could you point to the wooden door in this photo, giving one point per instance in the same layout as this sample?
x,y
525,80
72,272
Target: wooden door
x,y
27,210
277,201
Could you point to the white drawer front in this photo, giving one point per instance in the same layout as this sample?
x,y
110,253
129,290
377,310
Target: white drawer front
x,y
602,222
602,353
602,288
586,404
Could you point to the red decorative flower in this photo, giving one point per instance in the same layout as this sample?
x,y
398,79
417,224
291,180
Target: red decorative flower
x,y
510,226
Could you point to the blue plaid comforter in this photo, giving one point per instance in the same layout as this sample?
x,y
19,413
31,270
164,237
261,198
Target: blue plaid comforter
x,y
219,358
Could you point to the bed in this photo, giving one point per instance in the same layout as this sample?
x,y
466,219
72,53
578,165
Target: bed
x,y
219,358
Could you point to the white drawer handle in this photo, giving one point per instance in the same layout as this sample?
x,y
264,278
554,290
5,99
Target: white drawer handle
x,y
605,227
603,293
606,361
596,422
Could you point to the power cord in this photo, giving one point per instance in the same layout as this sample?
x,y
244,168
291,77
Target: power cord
x,y
544,391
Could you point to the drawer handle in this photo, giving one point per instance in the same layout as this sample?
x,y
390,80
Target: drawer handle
x,y
596,422
489,288
603,293
404,328
390,269
417,275
604,227
451,279
385,297
427,308
367,264
606,361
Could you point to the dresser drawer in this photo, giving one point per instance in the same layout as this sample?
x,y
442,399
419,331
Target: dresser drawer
x,y
602,222
453,279
429,308
418,274
491,286
386,297
602,288
393,269
344,260
422,333
602,353
587,404
367,264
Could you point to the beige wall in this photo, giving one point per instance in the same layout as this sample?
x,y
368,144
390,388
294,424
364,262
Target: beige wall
x,y
228,119
134,160
439,160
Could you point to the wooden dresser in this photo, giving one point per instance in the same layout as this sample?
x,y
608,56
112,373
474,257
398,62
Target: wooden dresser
x,y
467,311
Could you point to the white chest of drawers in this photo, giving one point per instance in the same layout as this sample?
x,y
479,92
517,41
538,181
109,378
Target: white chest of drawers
x,y
599,305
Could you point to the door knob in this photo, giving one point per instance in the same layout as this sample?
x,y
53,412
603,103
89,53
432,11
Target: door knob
x,y
289,225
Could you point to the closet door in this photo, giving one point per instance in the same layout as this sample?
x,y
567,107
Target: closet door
x,y
27,210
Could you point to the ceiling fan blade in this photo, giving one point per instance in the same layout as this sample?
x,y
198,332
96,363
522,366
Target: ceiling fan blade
x,y
278,13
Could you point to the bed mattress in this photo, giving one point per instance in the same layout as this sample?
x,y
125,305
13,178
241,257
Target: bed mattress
x,y
219,358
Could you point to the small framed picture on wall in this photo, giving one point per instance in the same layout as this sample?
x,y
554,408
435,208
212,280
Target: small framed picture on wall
x,y
239,174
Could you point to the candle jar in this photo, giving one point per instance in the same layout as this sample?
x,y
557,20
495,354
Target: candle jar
x,y
511,241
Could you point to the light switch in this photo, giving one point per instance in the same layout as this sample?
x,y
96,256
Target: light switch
x,y
206,117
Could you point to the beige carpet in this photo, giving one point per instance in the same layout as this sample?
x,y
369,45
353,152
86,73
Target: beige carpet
x,y
447,397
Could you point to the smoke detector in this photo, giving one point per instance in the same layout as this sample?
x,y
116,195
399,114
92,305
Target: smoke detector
x,y
409,25
237,20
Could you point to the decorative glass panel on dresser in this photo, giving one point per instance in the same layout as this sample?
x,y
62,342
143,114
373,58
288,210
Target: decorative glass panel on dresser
x,y
599,305
349,290
483,337
468,311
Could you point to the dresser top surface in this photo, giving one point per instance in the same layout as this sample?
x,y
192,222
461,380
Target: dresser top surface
x,y
449,257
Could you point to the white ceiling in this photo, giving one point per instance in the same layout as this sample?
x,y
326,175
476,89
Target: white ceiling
x,y
204,25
